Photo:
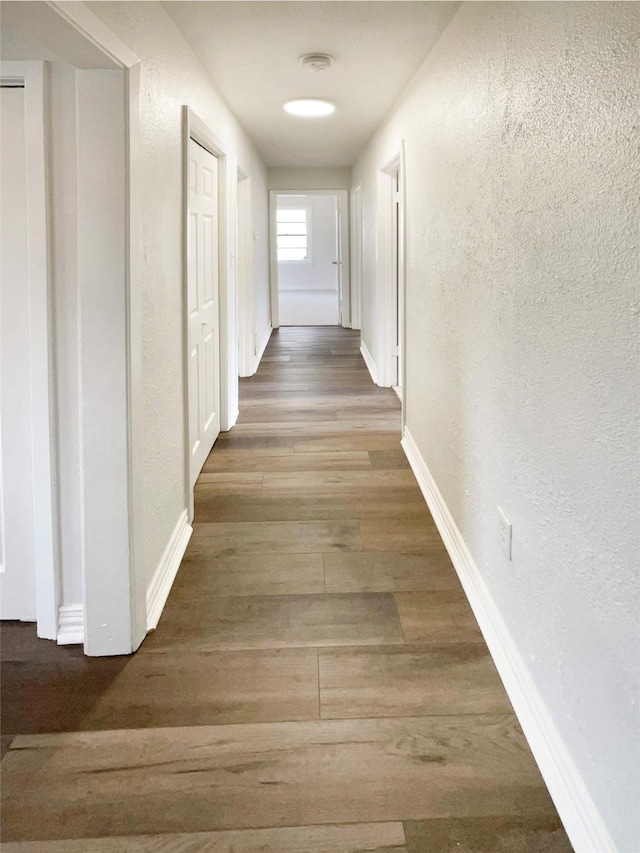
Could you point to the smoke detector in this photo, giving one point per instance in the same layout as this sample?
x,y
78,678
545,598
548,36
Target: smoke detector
x,y
316,61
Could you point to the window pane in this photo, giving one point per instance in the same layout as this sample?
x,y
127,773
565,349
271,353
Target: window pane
x,y
292,254
292,243
292,228
291,215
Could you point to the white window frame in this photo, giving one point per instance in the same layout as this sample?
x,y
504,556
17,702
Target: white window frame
x,y
309,211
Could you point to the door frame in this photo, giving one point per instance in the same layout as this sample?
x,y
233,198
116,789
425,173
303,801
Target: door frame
x,y
392,299
355,202
194,128
31,75
244,266
113,616
344,255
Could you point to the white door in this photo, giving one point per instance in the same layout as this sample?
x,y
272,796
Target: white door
x,y
397,261
17,526
202,307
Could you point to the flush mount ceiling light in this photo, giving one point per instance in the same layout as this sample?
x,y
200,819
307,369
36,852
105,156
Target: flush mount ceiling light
x,y
316,61
309,107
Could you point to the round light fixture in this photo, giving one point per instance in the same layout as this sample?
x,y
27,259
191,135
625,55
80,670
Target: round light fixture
x,y
309,107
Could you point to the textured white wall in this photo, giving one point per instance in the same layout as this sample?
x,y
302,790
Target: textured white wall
x,y
521,135
170,77
309,179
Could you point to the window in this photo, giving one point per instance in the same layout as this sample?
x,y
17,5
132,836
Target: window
x,y
293,228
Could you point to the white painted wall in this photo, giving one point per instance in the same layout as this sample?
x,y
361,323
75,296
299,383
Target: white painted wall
x,y
103,360
522,272
309,179
170,78
308,292
63,184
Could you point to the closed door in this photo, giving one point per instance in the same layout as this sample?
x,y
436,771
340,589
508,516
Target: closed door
x,y
17,526
203,307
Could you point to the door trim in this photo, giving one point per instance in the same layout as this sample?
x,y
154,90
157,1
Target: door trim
x,y
355,202
31,75
244,277
194,128
273,260
387,321
128,617
344,280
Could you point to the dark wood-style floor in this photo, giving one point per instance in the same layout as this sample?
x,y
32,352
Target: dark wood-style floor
x,y
317,683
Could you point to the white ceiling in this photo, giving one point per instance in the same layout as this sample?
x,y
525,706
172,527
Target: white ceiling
x,y
251,50
28,29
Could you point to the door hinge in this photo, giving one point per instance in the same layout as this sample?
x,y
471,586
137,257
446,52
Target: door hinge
x,y
395,351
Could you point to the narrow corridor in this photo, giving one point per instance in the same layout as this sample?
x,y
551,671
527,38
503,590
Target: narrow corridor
x,y
317,682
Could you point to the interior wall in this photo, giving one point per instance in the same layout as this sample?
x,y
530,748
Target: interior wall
x,y
63,177
308,292
171,77
309,179
102,361
520,134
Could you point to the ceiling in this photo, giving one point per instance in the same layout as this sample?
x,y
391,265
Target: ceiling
x,y
252,49
27,29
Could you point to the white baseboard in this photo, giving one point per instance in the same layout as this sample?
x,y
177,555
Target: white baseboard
x,y
165,574
368,360
578,812
262,339
70,624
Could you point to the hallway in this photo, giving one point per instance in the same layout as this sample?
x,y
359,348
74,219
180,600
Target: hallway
x,y
317,682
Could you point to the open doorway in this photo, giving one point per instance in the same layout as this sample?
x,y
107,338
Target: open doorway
x,y
22,511
71,420
397,278
310,264
307,256
391,274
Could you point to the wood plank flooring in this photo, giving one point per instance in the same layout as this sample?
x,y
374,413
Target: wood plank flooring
x,y
317,682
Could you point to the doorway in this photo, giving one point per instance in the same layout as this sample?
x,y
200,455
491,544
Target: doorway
x,y
307,255
81,295
244,255
391,275
397,275
203,307
310,275
17,521
356,257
